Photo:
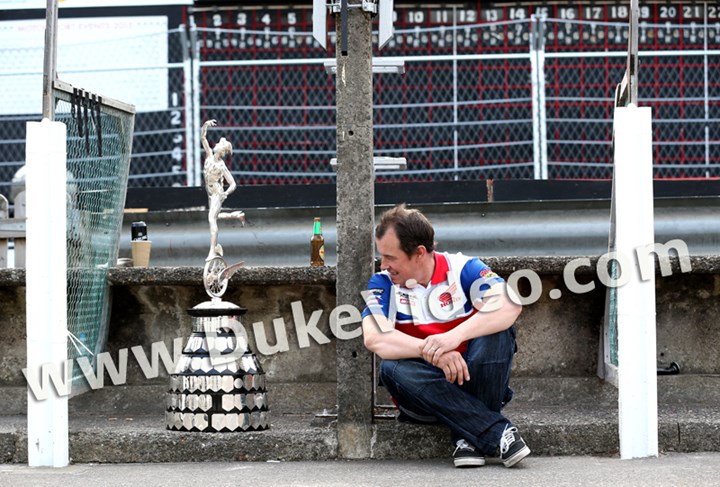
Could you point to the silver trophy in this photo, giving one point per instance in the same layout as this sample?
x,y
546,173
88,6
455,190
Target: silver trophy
x,y
218,383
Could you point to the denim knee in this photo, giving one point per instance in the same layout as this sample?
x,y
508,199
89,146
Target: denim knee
x,y
496,348
387,371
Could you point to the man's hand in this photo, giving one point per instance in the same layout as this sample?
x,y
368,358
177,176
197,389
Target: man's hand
x,y
210,123
434,346
454,366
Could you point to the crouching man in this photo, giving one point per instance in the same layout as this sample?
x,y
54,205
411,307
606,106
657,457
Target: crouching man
x,y
443,326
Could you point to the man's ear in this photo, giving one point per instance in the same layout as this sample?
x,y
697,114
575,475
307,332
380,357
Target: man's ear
x,y
420,251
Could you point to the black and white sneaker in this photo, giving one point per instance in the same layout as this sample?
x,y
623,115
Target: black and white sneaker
x,y
512,447
465,455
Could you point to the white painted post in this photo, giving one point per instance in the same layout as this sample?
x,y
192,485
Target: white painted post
x,y
537,68
188,100
46,291
637,361
196,124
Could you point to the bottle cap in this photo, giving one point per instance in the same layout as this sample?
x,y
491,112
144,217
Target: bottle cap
x,y
317,227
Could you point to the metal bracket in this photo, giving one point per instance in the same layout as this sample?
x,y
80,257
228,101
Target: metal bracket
x,y
381,163
382,8
379,65
370,6
366,5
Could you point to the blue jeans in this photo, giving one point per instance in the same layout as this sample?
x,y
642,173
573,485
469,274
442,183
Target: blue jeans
x,y
471,411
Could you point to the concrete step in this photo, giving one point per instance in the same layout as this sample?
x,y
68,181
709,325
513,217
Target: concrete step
x,y
314,397
557,416
547,430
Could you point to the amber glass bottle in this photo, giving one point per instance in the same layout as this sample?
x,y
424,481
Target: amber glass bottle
x,y
317,245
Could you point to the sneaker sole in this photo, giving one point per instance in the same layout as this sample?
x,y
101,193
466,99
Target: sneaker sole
x,y
468,462
519,455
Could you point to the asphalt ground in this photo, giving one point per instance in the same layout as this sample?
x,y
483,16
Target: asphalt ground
x,y
674,469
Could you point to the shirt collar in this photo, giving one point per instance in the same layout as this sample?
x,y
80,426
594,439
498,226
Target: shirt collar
x,y
441,269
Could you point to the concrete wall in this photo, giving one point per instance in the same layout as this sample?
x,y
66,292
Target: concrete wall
x,y
158,313
556,338
12,333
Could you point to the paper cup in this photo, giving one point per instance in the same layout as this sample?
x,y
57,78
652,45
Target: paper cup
x,y
140,252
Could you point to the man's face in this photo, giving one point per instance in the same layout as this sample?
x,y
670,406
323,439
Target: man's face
x,y
400,266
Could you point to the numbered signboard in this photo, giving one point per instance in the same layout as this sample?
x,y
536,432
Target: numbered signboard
x,y
415,111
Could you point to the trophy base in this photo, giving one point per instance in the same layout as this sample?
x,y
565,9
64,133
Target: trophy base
x,y
218,384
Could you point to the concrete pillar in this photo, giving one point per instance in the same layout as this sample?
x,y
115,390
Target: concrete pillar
x,y
355,223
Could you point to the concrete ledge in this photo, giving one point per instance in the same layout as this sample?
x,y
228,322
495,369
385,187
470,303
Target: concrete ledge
x,y
313,397
145,439
12,277
261,276
701,264
548,431
557,416
192,276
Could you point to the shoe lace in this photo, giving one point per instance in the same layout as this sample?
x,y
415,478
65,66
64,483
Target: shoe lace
x,y
463,445
507,438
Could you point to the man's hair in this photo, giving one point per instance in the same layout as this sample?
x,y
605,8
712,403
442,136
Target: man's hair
x,y
411,227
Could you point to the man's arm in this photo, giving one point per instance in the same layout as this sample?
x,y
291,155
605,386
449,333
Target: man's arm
x,y
381,338
384,340
497,313
379,333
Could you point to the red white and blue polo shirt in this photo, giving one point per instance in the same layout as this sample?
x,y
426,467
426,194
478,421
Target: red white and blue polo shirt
x,y
441,306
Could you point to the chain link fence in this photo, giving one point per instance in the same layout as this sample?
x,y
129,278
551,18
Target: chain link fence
x,y
525,97
452,117
99,136
677,78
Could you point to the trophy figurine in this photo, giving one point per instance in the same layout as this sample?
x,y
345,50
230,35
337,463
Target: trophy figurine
x,y
218,383
216,273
